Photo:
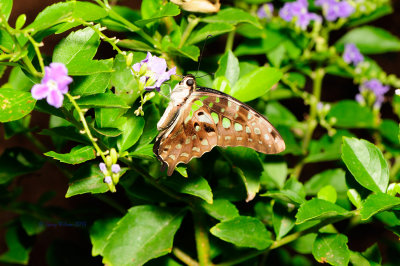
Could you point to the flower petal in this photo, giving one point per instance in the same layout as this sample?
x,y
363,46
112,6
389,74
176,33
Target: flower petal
x,y
55,98
39,91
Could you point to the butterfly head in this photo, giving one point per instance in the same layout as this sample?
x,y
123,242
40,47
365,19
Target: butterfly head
x,y
183,89
188,81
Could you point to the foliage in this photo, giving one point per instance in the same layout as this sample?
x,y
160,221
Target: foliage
x,y
245,207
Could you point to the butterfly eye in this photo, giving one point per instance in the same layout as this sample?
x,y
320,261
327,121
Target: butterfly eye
x,y
190,82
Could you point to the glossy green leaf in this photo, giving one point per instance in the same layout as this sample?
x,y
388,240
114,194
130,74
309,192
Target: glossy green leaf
x,y
333,177
88,179
221,83
167,10
366,163
143,152
76,156
5,8
213,29
18,161
193,185
354,197
293,192
275,171
15,104
93,84
248,165
255,84
151,117
327,193
350,114
228,67
390,130
318,209
380,11
144,233
233,16
371,40
220,209
17,252
18,80
77,50
243,231
132,129
376,203
332,249
99,233
304,244
102,100
278,114
283,219
124,82
110,117
63,12
108,131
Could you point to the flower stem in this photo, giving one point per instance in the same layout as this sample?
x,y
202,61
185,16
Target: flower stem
x,y
193,21
317,77
201,236
86,127
185,258
229,41
37,51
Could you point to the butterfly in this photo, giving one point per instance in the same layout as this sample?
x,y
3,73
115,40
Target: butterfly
x,y
198,119
202,6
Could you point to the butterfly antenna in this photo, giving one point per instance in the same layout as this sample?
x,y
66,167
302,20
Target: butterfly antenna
x,y
201,54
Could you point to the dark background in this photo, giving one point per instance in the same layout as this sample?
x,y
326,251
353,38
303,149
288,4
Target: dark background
x,y
49,178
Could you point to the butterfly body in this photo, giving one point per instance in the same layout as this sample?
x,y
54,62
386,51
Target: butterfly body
x,y
196,120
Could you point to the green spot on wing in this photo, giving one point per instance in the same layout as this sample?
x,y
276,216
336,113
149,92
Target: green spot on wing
x,y
226,123
196,106
217,99
215,117
238,127
210,105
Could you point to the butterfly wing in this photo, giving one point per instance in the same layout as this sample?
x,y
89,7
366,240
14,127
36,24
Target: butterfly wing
x,y
210,118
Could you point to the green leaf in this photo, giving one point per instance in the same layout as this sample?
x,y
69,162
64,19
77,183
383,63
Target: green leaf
x,y
151,116
248,165
194,185
255,84
132,129
283,219
332,249
108,131
143,152
159,11
370,40
243,231
182,170
144,233
32,225
88,179
17,252
366,163
102,100
124,82
333,177
19,81
233,16
318,209
221,83
350,114
76,156
220,209
99,233
390,130
18,161
77,50
63,12
328,193
6,7
376,203
213,29
16,127
380,11
275,171
228,67
110,117
293,192
15,104
304,244
279,115
93,84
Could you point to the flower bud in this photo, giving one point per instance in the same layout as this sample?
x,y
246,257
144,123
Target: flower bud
x,y
143,69
129,59
108,161
114,155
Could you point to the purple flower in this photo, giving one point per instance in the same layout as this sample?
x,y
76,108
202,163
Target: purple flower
x,y
155,74
335,9
299,11
373,86
53,86
265,11
352,54
103,167
115,168
107,180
